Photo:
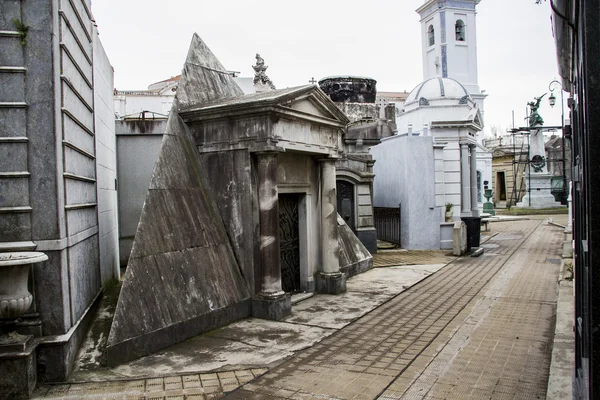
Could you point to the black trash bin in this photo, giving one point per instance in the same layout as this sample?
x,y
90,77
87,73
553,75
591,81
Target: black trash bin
x,y
473,231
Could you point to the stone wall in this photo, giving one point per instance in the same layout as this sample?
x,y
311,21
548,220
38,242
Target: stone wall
x,y
138,143
405,172
106,162
48,177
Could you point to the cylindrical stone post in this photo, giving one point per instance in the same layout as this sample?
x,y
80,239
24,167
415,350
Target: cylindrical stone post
x,y
329,235
465,181
570,202
268,204
474,200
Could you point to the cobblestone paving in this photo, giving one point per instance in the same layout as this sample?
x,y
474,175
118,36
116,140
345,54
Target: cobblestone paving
x,y
388,352
186,387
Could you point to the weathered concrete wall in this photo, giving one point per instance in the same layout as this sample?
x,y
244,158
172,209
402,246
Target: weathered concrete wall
x,y
138,143
182,277
48,178
354,256
214,83
405,175
80,178
106,162
230,180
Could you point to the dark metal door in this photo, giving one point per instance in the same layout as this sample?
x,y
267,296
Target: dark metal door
x,y
289,242
345,202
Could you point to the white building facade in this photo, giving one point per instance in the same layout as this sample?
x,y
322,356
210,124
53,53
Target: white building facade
x,y
449,42
449,163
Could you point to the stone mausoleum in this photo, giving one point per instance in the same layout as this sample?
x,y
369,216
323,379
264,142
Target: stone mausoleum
x,y
437,160
58,192
240,213
370,122
432,164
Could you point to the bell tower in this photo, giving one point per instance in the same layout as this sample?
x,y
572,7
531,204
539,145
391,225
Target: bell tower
x,y
449,40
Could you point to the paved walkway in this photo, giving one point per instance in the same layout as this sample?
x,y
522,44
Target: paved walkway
x,y
479,328
388,258
449,337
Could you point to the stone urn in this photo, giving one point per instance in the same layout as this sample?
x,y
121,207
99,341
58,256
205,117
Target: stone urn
x,y
449,213
488,207
15,298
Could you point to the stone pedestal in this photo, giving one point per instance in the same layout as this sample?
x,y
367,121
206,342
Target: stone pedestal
x,y
272,307
539,196
334,283
459,238
18,373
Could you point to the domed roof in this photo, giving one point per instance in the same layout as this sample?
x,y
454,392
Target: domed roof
x,y
438,89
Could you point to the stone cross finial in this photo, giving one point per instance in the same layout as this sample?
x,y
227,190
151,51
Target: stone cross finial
x,y
262,83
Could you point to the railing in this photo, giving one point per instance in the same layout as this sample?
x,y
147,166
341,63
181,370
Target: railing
x,y
387,223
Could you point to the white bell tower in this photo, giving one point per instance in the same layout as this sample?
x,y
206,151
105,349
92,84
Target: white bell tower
x,y
449,38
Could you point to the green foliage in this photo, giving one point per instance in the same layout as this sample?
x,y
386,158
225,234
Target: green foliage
x,y
449,207
110,284
22,29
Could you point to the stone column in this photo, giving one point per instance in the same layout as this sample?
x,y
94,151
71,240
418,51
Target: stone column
x,y
474,202
329,280
271,302
569,228
465,181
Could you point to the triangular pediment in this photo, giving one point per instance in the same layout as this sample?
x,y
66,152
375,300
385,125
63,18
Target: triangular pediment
x,y
305,101
500,153
316,105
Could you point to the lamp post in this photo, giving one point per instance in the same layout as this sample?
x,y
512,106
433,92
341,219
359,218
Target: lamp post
x,y
552,101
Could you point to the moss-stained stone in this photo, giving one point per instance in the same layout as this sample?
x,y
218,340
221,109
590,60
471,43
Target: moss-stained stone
x,y
182,278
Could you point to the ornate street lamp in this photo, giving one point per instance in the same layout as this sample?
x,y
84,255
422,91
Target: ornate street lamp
x,y
552,101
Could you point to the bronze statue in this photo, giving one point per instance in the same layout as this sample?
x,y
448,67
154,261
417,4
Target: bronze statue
x,y
534,117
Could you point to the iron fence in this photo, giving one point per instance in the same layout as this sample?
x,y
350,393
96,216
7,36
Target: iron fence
x,y
387,223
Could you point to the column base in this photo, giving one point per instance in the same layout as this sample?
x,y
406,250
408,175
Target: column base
x,y
18,370
272,307
334,283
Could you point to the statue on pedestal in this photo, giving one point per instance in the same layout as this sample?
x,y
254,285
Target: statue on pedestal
x,y
535,119
261,80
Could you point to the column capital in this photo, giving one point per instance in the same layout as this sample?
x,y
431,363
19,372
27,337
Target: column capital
x,y
327,159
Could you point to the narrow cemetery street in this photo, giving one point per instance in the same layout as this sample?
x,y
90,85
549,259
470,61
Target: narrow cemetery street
x,y
479,328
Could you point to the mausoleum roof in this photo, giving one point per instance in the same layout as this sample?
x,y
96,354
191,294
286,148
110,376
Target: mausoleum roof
x,y
447,90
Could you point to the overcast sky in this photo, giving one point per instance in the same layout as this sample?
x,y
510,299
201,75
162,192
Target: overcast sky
x,y
147,41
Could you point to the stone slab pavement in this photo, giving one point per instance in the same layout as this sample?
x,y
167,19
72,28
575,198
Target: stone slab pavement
x,y
245,348
481,328
387,338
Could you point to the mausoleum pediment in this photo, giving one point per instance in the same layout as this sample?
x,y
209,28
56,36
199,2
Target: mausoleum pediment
x,y
302,102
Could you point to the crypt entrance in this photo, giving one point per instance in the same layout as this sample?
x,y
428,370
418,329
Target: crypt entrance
x,y
289,242
346,202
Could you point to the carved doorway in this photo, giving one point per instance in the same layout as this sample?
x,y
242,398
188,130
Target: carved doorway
x,y
289,242
345,202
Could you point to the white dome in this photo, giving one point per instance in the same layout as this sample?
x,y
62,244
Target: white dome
x,y
446,89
